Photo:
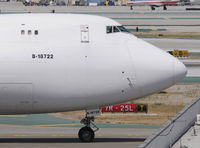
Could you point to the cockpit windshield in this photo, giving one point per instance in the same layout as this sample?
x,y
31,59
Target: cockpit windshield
x,y
122,29
109,29
113,29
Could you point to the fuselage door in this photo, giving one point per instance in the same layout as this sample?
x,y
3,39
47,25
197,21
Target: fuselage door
x,y
84,34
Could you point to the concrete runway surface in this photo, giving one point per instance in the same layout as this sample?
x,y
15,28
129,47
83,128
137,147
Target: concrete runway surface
x,y
26,134
144,17
192,45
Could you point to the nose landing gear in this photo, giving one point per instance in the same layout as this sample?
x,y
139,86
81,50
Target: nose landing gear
x,y
153,8
164,7
87,134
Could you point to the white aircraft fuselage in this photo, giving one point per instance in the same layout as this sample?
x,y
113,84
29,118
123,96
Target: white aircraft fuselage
x,y
67,62
152,2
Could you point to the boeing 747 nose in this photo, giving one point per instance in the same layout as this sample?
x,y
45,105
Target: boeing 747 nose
x,y
155,69
179,70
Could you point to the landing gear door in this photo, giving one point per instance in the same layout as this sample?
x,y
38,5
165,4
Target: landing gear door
x,y
84,34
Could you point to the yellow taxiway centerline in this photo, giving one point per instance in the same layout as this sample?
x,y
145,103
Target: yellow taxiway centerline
x,y
50,125
13,115
74,135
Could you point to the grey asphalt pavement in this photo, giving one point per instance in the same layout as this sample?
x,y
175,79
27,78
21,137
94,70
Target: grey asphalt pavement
x,y
45,137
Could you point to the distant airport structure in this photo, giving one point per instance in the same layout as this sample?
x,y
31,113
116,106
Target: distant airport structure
x,y
195,2
151,3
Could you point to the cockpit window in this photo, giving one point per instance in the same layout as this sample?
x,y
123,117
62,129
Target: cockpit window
x,y
115,29
109,29
112,29
122,29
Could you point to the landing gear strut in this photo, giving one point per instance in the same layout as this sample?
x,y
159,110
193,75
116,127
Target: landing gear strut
x,y
164,8
152,8
86,134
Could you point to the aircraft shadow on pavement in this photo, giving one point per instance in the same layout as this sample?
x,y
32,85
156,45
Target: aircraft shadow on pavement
x,y
66,140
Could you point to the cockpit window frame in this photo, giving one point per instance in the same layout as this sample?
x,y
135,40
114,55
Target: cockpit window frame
x,y
123,29
116,29
109,29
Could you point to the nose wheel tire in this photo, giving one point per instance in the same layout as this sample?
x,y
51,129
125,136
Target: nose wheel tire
x,y
86,134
